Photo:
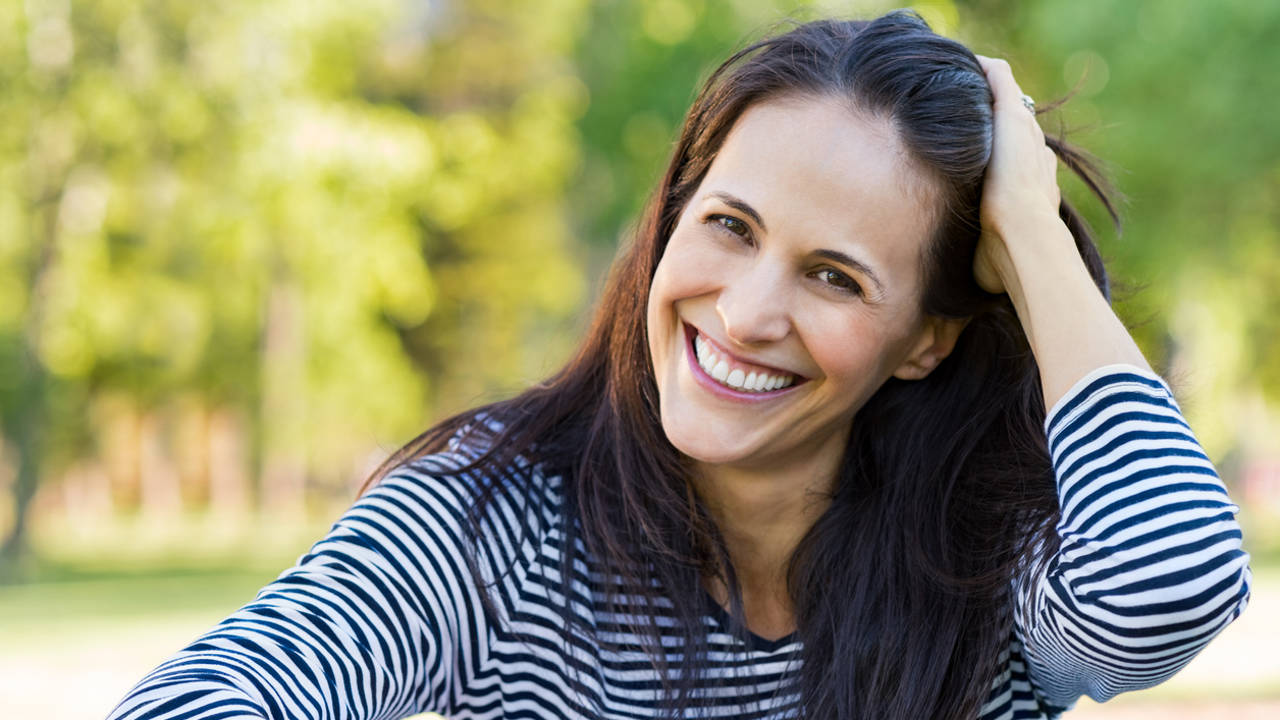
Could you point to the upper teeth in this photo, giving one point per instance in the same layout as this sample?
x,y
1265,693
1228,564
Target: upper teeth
x,y
724,370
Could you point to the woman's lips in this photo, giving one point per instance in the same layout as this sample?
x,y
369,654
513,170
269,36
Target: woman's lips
x,y
731,376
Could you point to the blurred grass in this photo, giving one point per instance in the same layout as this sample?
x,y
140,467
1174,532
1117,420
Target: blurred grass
x,y
111,572
72,603
106,600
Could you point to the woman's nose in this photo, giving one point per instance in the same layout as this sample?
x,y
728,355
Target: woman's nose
x,y
754,307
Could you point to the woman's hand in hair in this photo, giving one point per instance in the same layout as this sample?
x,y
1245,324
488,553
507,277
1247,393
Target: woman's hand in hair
x,y
1020,195
1027,252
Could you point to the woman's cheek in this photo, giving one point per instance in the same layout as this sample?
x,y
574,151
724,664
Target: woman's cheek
x,y
840,341
693,265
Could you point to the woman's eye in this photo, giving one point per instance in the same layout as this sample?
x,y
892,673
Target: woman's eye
x,y
838,280
732,224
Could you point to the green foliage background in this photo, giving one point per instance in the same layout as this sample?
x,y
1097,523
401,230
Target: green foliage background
x,y
330,223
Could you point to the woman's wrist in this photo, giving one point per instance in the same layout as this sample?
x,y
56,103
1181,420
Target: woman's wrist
x,y
1015,246
1034,245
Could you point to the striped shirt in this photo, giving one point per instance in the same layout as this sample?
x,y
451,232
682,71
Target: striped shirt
x,y
382,619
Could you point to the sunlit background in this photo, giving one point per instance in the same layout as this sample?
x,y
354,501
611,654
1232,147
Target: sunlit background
x,y
248,248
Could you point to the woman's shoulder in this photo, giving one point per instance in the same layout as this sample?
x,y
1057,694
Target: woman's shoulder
x,y
448,481
498,502
473,461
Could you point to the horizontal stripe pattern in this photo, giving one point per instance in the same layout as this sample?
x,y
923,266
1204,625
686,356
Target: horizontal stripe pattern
x,y
382,619
1150,566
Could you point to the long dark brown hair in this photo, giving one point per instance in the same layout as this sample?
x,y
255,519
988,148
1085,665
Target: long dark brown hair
x,y
902,588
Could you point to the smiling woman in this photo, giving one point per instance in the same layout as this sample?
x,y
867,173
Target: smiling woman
x,y
761,271
855,434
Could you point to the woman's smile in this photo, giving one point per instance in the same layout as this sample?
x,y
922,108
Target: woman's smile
x,y
732,377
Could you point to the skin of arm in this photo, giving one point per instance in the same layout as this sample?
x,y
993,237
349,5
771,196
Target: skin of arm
x,y
1028,252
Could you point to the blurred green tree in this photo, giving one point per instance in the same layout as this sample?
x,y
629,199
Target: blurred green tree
x,y
332,222
332,218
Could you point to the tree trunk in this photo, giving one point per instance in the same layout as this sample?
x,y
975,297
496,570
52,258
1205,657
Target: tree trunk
x,y
27,431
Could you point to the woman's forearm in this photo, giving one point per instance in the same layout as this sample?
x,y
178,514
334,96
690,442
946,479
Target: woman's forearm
x,y
1027,251
1069,324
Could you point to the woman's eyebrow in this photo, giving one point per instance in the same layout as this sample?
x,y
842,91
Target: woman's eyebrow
x,y
837,256
740,205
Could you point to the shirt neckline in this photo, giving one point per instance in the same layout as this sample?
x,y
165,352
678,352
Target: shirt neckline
x,y
753,641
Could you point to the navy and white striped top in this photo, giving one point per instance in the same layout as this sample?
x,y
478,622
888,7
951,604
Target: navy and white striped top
x,y
381,619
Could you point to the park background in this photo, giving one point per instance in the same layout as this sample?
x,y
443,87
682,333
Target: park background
x,y
249,247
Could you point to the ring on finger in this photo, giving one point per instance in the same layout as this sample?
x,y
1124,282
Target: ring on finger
x,y
1029,103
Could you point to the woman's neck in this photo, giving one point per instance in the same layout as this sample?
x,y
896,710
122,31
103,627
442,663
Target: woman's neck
x,y
762,515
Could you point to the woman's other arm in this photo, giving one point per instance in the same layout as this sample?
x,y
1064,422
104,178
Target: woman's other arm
x,y
1150,566
370,623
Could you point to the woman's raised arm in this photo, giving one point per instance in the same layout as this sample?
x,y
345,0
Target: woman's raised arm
x,y
1028,252
1150,566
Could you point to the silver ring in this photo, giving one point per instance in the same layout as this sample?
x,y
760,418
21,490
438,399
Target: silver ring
x,y
1029,103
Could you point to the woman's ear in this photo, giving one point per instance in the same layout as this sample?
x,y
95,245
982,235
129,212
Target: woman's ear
x,y
936,339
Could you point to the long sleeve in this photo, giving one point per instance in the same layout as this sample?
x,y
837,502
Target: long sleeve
x,y
371,623
1150,566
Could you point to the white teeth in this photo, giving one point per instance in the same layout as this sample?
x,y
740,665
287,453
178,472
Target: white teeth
x,y
718,368
706,358
720,371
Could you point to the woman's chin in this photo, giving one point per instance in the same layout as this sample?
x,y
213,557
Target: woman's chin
x,y
701,444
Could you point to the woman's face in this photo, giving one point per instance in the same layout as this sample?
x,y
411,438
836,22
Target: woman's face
x,y
789,290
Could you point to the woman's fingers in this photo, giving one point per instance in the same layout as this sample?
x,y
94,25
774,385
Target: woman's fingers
x,y
1011,113
1022,174
1008,95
